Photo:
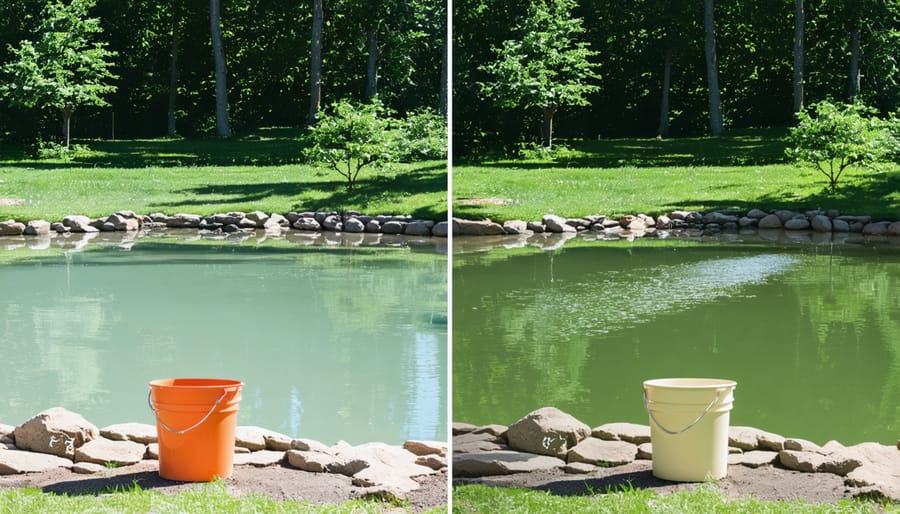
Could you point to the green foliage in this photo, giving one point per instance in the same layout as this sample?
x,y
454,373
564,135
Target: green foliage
x,y
351,136
65,66
55,151
833,137
421,136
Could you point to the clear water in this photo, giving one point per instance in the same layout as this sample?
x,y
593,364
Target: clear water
x,y
810,333
331,343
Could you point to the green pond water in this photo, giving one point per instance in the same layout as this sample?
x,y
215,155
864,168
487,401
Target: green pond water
x,y
810,333
331,343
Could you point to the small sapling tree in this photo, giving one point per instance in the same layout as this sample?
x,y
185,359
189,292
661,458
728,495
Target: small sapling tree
x,y
65,67
834,137
351,136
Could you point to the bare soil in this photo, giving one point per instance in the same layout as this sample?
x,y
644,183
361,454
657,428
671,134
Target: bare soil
x,y
277,482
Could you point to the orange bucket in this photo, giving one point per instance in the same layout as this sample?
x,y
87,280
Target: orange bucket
x,y
195,422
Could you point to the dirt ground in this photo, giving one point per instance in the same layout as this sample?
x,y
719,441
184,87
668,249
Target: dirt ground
x,y
765,483
277,482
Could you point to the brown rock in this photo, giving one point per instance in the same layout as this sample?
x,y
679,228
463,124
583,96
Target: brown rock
x,y
309,461
598,451
630,432
547,431
105,451
56,431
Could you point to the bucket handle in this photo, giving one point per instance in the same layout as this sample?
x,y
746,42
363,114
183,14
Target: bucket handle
x,y
685,429
195,425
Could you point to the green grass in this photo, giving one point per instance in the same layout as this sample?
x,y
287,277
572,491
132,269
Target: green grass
x,y
627,176
706,499
261,171
208,498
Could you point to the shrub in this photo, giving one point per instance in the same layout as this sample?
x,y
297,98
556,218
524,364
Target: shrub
x,y
422,136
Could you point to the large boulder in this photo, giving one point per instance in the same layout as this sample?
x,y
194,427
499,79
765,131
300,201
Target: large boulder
x,y
12,228
56,431
547,431
556,224
476,228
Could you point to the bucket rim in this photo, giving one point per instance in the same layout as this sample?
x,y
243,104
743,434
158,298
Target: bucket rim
x,y
690,383
195,383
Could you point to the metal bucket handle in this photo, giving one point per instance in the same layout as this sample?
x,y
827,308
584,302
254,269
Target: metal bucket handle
x,y
188,429
685,429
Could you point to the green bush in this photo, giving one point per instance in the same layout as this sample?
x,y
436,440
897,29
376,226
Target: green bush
x,y
833,137
422,136
350,136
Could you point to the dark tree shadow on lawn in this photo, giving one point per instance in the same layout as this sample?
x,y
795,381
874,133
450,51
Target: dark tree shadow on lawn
x,y
614,482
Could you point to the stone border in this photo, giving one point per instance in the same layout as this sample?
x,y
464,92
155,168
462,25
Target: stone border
x,y
58,438
694,223
549,439
233,222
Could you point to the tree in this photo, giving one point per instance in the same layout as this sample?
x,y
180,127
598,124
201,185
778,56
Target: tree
x,y
712,69
351,137
223,129
64,68
173,68
547,68
799,22
833,137
315,64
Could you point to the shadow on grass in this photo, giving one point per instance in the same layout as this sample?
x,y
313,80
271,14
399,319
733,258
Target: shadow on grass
x,y
614,482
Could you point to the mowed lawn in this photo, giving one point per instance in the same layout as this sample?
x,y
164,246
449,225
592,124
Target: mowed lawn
x,y
628,176
258,172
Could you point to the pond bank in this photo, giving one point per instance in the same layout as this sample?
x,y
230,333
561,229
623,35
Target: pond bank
x,y
92,459
770,466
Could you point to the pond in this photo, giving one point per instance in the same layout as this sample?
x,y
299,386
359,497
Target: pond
x,y
811,333
332,342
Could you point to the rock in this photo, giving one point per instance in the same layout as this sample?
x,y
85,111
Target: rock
x,y
259,218
254,438
556,224
88,468
476,228
630,432
477,443
393,227
892,230
277,442
501,463
796,224
840,226
241,449
801,445
645,451
152,451
440,229
784,215
13,462
103,451
276,220
757,214
807,462
6,432
434,462
418,228
332,223
747,221
420,448
842,462
309,461
183,221
36,228
121,221
753,459
496,430
719,218
247,223
307,224
536,227
354,226
310,445
137,432
59,228
821,223
749,438
880,469
598,451
770,221
663,222
831,447
515,227
383,476
56,431
879,228
259,459
632,223
464,428
547,431
579,468
373,227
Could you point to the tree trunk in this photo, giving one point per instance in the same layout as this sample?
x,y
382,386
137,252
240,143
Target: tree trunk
x,y
173,69
664,101
222,127
547,128
372,65
712,71
854,62
315,64
68,109
442,98
799,21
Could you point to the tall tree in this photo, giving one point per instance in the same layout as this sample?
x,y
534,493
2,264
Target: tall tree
x,y
64,68
799,23
315,63
223,129
549,67
173,68
854,62
712,69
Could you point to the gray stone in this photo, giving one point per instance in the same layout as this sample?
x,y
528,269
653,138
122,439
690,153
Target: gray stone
x,y
88,468
384,477
821,223
458,428
796,224
435,462
747,221
579,468
310,445
152,451
494,429
749,438
259,218
231,229
277,442
501,463
254,438
630,432
879,228
547,431
373,227
770,221
418,228
663,222
441,229
632,223
894,229
247,223
137,432
259,459
103,451
309,224
801,445
182,220
37,228
719,218
13,462
477,443
598,451
332,223
354,226
241,449
831,447
841,462
59,228
840,226
757,214
645,451
880,469
515,227
536,227
805,461
121,221
784,215
393,227
276,220
309,461
556,224
476,228
56,431
420,448
753,459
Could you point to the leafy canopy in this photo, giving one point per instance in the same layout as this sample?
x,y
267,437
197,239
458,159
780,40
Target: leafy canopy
x,y
548,67
833,137
64,67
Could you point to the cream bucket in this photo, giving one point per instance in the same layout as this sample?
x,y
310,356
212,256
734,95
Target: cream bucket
x,y
689,427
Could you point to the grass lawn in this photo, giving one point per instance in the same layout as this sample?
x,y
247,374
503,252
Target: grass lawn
x,y
742,170
257,172
484,499
211,498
